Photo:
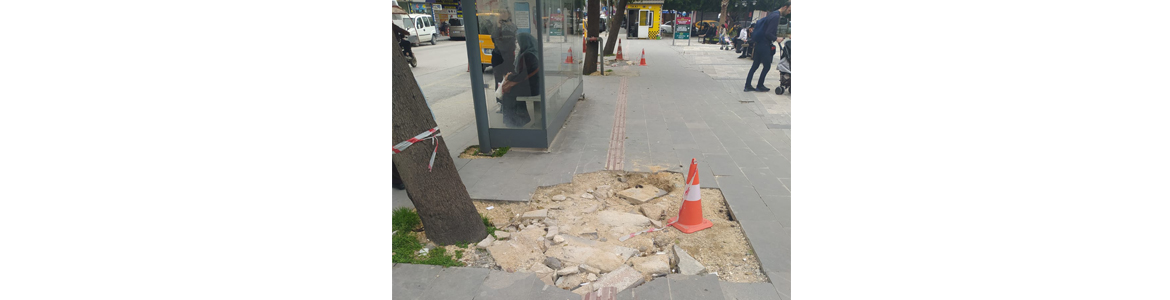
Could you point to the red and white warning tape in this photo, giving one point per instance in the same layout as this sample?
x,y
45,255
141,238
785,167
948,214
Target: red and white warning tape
x,y
426,135
676,218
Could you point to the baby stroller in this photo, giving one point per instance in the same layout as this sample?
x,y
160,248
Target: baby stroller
x,y
785,68
725,42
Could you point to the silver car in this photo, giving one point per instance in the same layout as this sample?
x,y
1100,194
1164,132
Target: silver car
x,y
667,27
457,32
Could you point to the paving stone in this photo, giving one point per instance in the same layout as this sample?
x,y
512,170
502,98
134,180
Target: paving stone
x,y
782,282
411,280
781,208
503,235
456,283
535,215
722,164
539,290
641,195
625,295
657,289
748,291
684,287
771,242
622,279
687,265
486,242
505,286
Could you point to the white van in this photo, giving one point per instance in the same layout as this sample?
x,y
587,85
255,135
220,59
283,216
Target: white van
x,y
422,27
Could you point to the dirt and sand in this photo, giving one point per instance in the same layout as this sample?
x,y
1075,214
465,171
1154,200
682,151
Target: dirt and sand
x,y
591,219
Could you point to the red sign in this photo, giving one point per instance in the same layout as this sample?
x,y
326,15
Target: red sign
x,y
557,17
682,21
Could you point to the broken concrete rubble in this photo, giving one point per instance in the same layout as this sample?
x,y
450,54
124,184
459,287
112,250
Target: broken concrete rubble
x,y
654,264
687,265
503,235
568,271
535,215
486,242
652,211
622,220
621,279
641,195
552,262
559,198
590,269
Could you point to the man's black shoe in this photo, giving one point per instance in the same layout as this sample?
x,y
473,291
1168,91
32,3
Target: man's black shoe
x,y
762,89
749,89
399,186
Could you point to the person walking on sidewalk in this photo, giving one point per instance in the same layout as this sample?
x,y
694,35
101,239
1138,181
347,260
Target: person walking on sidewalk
x,y
765,33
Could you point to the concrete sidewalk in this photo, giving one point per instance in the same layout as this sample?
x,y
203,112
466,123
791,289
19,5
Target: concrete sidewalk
x,y
687,103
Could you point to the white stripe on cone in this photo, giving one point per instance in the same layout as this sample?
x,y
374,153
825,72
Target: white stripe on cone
x,y
692,192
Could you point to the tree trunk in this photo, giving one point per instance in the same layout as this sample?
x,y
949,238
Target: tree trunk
x,y
591,48
616,27
442,201
723,12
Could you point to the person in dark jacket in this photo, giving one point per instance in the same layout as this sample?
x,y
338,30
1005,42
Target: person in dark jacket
x,y
526,77
764,34
504,37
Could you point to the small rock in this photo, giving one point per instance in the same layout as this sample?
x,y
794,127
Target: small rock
x,y
571,281
654,212
558,239
687,265
590,269
601,240
656,223
503,235
559,198
560,282
552,262
655,264
589,235
583,290
552,231
641,195
587,196
486,242
589,191
535,215
568,271
605,261
591,277
592,209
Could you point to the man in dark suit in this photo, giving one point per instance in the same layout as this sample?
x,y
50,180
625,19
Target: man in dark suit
x,y
763,35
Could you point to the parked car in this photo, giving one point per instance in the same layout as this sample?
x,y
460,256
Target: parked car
x,y
667,27
421,27
457,30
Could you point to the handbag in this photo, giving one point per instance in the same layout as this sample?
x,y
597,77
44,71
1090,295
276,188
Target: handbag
x,y
507,85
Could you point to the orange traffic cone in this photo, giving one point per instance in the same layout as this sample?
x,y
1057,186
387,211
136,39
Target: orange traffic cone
x,y
643,63
619,52
690,216
569,59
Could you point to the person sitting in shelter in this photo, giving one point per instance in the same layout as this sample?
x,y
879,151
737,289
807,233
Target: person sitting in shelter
x,y
523,81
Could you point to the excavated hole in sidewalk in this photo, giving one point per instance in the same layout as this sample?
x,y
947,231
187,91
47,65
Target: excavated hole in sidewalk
x,y
585,234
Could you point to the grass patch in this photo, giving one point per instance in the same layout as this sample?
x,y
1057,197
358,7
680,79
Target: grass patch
x,y
491,229
473,151
404,220
406,244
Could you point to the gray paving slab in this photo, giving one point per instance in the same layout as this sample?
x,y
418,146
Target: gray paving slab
x,y
657,289
765,182
694,287
541,291
746,205
455,283
745,158
748,291
627,294
781,208
782,282
722,164
411,280
771,242
778,164
501,285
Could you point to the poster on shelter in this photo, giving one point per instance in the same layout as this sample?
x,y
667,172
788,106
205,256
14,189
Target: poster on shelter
x,y
523,18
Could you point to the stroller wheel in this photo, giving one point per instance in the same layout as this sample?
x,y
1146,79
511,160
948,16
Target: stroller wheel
x,y
779,90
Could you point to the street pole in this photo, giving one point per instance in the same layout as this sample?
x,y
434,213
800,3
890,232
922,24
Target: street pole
x,y
471,24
